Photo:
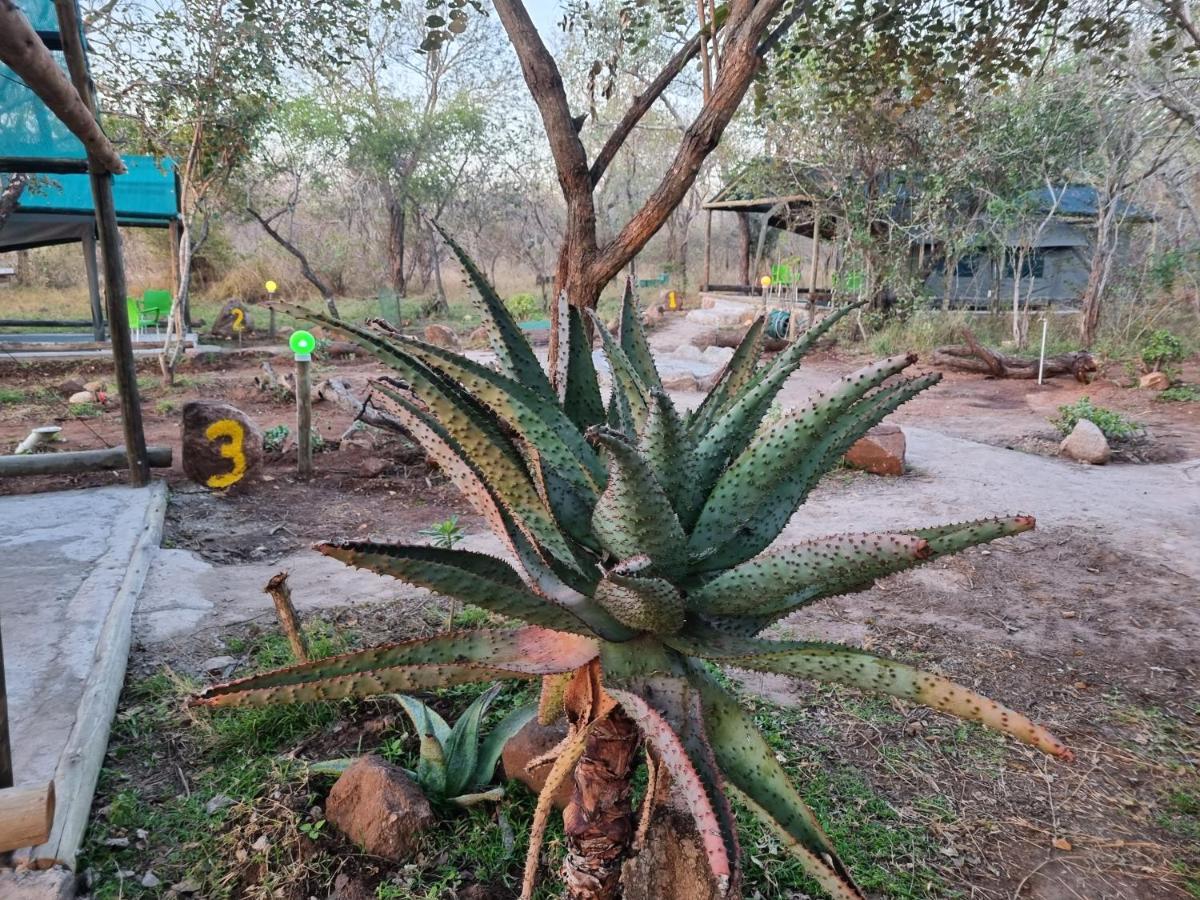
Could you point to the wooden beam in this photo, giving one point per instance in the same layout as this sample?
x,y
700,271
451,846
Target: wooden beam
x,y
76,461
23,52
42,323
707,250
26,816
39,166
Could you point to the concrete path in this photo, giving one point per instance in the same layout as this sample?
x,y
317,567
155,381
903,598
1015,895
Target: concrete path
x,y
71,566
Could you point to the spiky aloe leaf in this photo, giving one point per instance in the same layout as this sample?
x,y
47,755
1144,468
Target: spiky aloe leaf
x,y
958,536
769,582
492,747
645,604
516,357
446,659
462,747
475,578
671,753
633,339
749,765
551,699
630,395
424,720
572,507
582,400
432,764
633,516
562,338
741,532
849,665
738,373
665,447
498,484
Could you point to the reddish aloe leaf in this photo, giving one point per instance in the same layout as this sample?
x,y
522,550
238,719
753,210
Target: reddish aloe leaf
x,y
671,753
454,658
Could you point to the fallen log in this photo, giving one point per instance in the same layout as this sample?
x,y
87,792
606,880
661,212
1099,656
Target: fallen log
x,y
70,463
974,357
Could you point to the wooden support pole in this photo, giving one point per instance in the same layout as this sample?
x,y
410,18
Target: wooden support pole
x,y
26,816
78,461
281,594
6,767
812,269
23,51
707,250
304,417
90,265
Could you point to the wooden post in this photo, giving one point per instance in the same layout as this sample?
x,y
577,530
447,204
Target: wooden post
x,y
281,594
271,322
707,251
812,269
93,282
6,768
100,168
304,415
26,816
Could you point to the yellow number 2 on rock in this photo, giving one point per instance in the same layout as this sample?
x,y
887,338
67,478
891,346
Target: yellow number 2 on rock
x,y
230,449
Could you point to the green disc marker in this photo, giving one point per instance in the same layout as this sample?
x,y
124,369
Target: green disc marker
x,y
302,344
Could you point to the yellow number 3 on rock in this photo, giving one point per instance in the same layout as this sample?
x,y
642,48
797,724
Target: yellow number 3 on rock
x,y
230,449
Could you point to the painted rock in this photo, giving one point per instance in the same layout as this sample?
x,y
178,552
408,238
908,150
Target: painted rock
x,y
221,446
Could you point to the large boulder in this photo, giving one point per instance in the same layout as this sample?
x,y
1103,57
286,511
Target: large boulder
x,y
222,447
379,808
880,451
1086,444
233,320
441,336
529,743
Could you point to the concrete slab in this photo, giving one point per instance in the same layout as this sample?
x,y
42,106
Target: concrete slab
x,y
72,564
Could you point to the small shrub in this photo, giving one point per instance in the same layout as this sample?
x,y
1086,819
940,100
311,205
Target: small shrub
x,y
85,410
1114,425
11,396
275,437
164,407
524,307
1180,393
1162,347
445,534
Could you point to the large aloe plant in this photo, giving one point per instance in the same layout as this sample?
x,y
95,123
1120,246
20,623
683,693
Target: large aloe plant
x,y
643,537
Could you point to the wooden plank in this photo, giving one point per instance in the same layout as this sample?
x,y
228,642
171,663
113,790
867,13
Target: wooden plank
x,y
23,52
26,816
77,461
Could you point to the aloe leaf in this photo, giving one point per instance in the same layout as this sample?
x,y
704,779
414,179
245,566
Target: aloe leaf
x,y
857,668
633,339
582,401
562,336
665,447
492,747
644,604
433,764
462,747
630,393
474,578
738,373
749,765
633,516
423,718
750,507
688,784
572,507
767,583
466,801
446,659
517,359
958,536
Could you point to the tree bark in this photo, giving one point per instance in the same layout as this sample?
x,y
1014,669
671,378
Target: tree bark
x,y
974,357
744,248
305,269
397,220
599,820
11,195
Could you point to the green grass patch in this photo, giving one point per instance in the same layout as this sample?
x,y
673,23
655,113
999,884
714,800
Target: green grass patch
x,y
85,410
11,396
1180,393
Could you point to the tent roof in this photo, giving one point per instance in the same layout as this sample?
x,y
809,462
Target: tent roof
x,y
766,181
57,209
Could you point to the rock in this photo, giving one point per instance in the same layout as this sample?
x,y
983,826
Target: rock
x,y
1155,381
709,381
670,864
529,743
217,663
441,336
478,338
379,808
44,884
652,316
683,382
880,451
187,886
69,387
1086,443
82,397
94,386
347,888
150,880
373,467
717,355
232,320
217,802
689,352
221,446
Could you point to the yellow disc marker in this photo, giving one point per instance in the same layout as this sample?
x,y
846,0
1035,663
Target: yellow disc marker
x,y
271,287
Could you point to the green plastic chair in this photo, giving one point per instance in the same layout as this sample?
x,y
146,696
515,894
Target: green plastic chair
x,y
156,307
781,275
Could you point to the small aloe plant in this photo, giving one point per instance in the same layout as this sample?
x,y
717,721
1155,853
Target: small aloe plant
x,y
457,764
644,536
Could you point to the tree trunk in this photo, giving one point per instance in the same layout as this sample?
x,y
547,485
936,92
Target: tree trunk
x,y
599,820
397,216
